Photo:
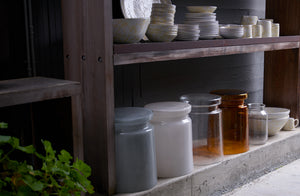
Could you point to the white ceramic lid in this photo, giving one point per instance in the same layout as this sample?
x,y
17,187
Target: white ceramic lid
x,y
169,109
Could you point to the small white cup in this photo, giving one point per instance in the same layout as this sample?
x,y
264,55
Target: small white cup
x,y
291,124
247,31
249,20
257,31
267,27
275,30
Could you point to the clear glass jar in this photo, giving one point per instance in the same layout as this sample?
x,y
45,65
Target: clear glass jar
x,y
135,150
234,121
173,138
258,123
206,127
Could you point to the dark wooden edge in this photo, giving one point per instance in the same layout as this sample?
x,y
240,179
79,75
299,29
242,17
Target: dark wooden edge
x,y
180,45
153,56
28,90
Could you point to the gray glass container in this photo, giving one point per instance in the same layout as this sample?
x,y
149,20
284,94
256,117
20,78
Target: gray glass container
x,y
135,150
206,127
258,123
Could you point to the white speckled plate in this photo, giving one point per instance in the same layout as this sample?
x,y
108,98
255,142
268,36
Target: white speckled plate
x,y
137,8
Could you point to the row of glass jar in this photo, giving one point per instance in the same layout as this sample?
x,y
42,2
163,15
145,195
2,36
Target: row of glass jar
x,y
160,139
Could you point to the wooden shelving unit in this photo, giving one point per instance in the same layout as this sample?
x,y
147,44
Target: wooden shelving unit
x,y
152,51
90,57
28,90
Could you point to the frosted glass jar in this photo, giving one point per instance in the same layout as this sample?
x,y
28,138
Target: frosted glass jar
x,y
206,127
258,123
135,150
173,138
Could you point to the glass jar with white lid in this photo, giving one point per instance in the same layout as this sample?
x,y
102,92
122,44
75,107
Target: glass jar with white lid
x,y
173,138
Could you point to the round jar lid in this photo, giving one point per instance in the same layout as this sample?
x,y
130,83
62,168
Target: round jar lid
x,y
201,99
231,94
169,109
132,115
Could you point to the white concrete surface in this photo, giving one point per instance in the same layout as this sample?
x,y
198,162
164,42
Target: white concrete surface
x,y
283,181
233,171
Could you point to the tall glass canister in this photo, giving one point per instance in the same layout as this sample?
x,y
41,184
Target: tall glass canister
x,y
258,123
135,150
173,138
206,127
234,120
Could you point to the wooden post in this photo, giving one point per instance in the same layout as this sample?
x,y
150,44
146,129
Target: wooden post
x,y
88,52
282,74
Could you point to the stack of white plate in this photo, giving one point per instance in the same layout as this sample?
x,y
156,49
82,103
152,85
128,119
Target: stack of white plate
x,y
205,17
188,32
163,13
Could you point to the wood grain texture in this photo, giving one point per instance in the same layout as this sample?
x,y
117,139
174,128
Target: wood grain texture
x,y
88,42
281,75
151,56
27,90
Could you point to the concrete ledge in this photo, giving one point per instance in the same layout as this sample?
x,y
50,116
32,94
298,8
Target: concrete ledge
x,y
234,171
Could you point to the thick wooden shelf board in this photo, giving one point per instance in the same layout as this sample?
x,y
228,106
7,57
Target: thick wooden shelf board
x,y
27,90
153,51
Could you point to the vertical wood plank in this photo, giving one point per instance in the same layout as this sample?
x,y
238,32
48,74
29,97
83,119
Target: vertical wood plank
x,y
281,72
87,29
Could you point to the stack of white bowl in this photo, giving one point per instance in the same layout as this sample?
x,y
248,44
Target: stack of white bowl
x,y
162,28
205,17
162,13
231,31
188,32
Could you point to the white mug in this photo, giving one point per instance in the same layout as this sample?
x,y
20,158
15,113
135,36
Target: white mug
x,y
291,124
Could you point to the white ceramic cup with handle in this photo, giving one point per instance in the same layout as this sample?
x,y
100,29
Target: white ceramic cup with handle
x,y
291,124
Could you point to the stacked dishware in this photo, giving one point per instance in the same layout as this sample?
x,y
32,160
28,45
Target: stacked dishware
x,y
232,31
188,32
162,28
205,17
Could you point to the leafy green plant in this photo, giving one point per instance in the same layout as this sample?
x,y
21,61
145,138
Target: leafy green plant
x,y
58,175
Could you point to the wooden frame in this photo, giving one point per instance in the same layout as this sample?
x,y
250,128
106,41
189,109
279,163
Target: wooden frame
x,y
87,35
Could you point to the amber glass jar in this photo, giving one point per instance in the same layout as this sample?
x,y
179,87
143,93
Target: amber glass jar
x,y
234,121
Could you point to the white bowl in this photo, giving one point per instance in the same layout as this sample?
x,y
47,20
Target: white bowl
x,y
201,9
129,30
231,32
274,112
276,124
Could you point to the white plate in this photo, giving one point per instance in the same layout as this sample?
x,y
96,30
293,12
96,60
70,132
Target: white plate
x,y
137,8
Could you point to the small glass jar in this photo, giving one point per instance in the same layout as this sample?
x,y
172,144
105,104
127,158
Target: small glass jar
x,y
135,150
258,124
275,30
206,126
173,138
234,120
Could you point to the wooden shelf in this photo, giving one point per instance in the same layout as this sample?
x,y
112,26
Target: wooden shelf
x,y
27,90
158,51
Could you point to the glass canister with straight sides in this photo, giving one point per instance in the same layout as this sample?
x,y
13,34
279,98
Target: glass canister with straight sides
x,y
173,138
206,127
258,123
135,150
234,120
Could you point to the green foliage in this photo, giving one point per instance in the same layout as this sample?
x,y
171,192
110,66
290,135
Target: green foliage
x,y
59,175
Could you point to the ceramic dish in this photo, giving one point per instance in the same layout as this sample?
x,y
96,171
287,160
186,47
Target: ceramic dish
x,y
137,8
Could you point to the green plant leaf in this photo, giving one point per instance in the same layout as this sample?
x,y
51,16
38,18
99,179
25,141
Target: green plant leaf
x,y
33,183
82,167
27,149
64,156
14,142
4,139
3,125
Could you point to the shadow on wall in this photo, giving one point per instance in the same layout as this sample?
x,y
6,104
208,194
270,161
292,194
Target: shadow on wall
x,y
139,84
